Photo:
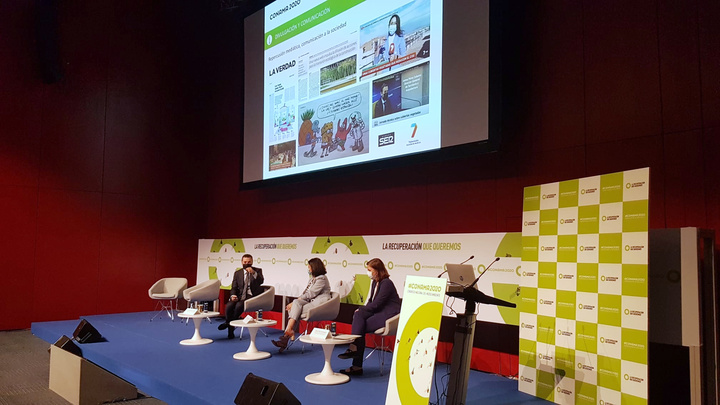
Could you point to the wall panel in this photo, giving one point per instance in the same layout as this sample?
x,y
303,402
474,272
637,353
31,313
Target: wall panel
x,y
67,255
622,84
72,135
679,79
557,117
102,173
475,200
709,34
18,216
684,191
127,253
711,179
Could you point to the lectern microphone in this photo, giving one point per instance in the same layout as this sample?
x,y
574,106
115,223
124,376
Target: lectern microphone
x,y
468,259
481,274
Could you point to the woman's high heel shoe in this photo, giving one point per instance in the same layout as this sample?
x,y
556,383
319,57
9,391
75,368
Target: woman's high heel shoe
x,y
282,342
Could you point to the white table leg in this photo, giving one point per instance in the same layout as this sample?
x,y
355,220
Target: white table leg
x,y
196,339
327,369
253,334
196,335
252,352
327,376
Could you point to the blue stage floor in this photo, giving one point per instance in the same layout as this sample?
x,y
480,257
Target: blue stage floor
x,y
148,354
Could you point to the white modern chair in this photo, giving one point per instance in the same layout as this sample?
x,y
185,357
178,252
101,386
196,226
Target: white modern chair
x,y
205,291
165,291
390,329
264,301
327,311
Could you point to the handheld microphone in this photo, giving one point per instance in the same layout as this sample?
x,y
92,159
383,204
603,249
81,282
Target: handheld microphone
x,y
469,258
481,274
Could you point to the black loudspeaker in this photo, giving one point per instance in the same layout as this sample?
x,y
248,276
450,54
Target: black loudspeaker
x,y
86,333
259,391
67,344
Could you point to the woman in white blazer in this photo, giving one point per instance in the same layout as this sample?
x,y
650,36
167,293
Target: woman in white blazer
x,y
316,292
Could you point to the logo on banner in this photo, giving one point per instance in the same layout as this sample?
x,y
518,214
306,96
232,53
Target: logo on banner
x,y
634,312
631,378
636,184
608,341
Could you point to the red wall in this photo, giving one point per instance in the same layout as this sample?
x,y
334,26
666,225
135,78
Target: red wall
x,y
103,175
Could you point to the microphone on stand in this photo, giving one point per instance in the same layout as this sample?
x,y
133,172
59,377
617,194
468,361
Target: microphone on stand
x,y
486,269
469,258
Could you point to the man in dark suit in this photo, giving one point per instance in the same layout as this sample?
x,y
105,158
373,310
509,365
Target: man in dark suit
x,y
246,283
383,106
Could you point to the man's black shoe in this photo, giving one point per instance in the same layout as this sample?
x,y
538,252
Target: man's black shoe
x,y
223,326
348,354
352,371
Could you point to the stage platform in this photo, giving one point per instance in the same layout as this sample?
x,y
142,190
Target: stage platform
x,y
149,355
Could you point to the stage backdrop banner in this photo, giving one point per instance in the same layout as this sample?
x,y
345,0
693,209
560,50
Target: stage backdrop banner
x,y
583,308
416,341
284,263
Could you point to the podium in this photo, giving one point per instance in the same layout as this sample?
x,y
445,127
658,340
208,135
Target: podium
x,y
463,341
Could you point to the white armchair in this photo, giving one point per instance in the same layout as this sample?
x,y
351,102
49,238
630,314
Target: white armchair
x,y
205,291
390,329
327,311
164,292
264,301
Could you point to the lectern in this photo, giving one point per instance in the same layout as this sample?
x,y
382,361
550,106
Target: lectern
x,y
463,341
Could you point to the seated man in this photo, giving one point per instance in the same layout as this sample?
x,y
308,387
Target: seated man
x,y
246,283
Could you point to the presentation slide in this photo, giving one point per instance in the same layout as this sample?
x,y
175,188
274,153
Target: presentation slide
x,y
340,73
344,82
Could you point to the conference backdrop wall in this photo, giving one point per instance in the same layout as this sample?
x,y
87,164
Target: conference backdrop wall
x,y
284,263
584,309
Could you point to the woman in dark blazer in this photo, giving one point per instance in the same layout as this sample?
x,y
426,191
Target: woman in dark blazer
x,y
383,303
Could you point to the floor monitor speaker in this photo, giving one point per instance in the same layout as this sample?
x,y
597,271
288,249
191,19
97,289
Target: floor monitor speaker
x,y
66,343
86,333
260,391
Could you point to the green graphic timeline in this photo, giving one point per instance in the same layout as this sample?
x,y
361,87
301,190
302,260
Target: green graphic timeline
x,y
583,301
509,246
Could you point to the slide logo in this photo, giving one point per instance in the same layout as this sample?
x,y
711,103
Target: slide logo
x,y
386,139
414,127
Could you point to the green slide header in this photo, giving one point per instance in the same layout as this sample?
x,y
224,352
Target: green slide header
x,y
308,20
